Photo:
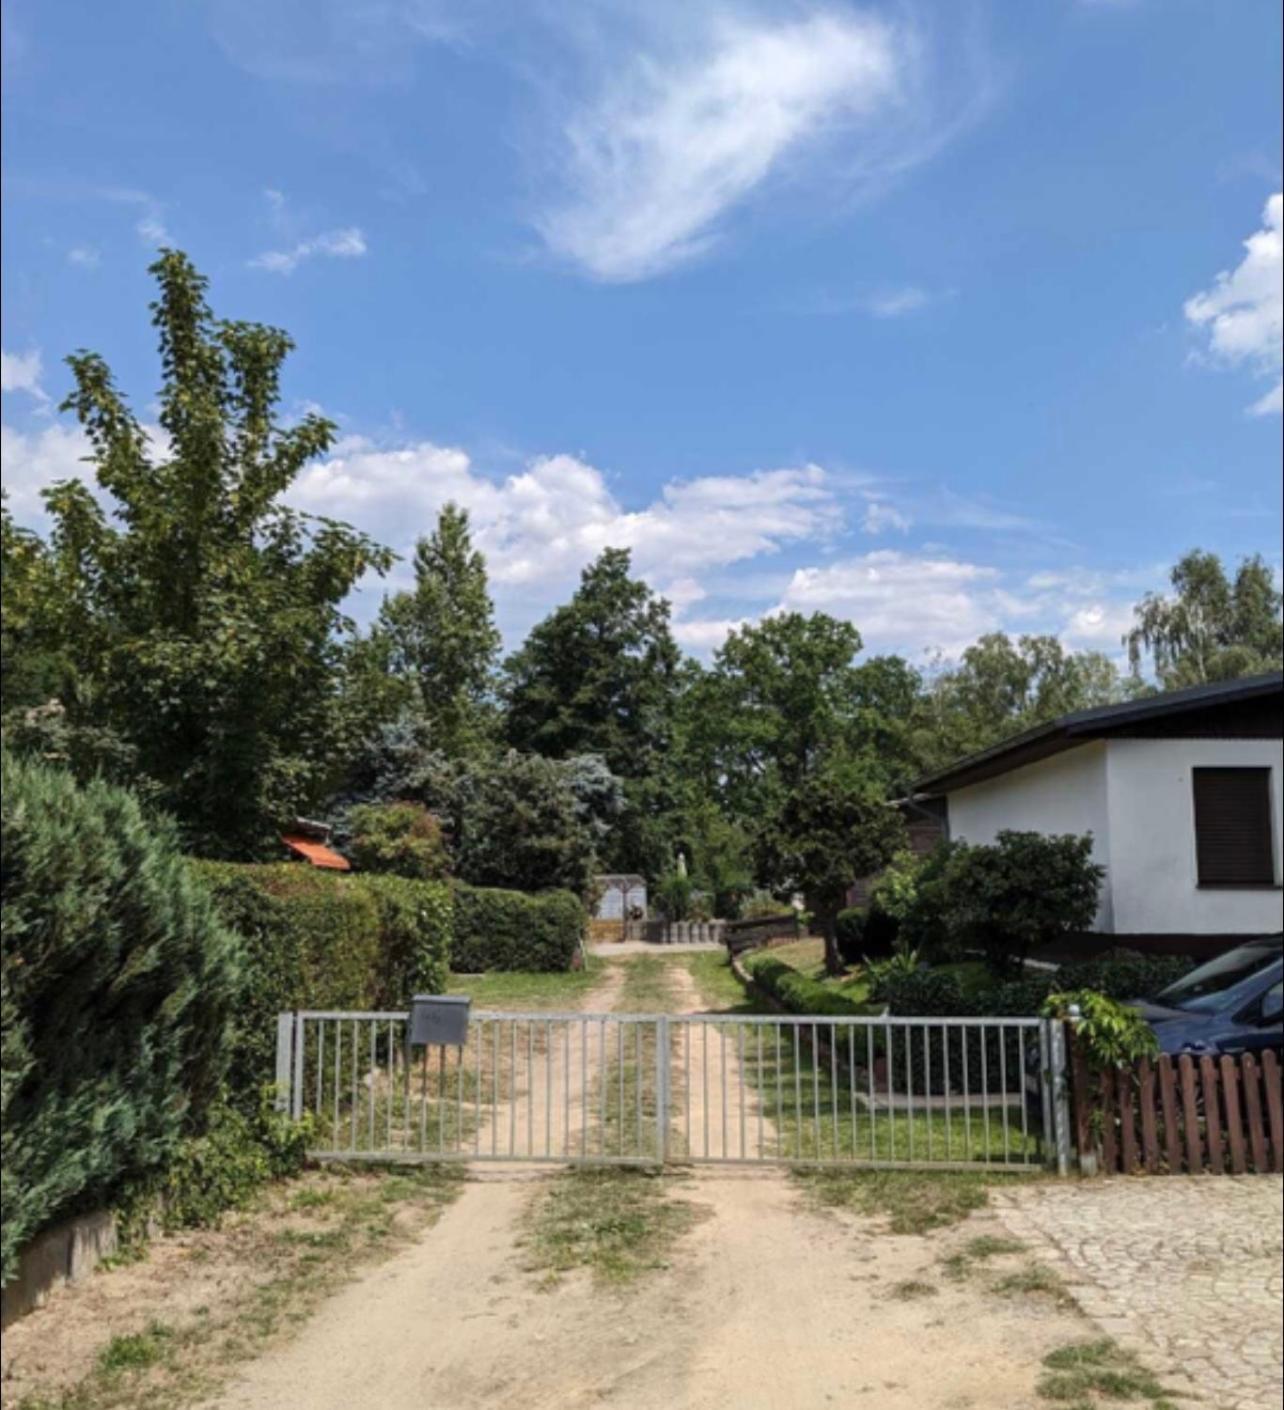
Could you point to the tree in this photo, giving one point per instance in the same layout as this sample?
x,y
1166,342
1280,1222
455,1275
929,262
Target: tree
x,y
201,618
832,827
1001,687
1021,892
442,636
403,839
599,676
1209,629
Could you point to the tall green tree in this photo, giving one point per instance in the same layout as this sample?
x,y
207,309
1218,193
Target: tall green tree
x,y
599,676
1210,628
1002,686
201,617
442,635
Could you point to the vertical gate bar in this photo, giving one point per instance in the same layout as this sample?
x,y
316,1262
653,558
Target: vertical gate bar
x,y
945,1082
392,1086
548,1086
356,1063
512,1086
798,1116
296,1086
639,1138
1048,1136
704,1064
966,1033
566,1089
780,1091
619,1062
891,1090
477,1123
283,1095
496,1025
722,1070
909,1086
320,1059
985,1095
662,1094
338,1069
927,1083
370,1087
1003,1083
601,1085
760,1094
584,1087
740,1073
1025,1102
530,1086
851,1079
815,1086
423,1101
833,1080
686,1080
869,1082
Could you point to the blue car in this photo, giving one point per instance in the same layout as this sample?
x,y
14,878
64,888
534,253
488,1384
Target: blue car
x,y
1231,1005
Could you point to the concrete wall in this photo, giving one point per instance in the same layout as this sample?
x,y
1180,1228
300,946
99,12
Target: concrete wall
x,y
1152,838
1066,793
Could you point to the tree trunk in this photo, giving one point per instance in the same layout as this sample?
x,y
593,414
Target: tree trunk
x,y
829,929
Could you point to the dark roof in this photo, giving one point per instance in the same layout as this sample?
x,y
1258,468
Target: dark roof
x,y
1145,715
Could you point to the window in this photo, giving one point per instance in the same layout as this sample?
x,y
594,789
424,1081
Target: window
x,y
1233,827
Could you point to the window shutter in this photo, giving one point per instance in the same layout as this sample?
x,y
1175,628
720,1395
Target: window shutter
x,y
1233,827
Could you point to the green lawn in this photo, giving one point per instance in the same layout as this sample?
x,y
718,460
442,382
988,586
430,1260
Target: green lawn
x,y
808,958
522,992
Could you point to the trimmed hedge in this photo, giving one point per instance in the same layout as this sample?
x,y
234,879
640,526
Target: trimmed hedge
x,y
118,982
866,933
799,993
314,939
515,930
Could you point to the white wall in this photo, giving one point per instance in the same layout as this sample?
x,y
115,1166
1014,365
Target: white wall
x,y
1066,793
1152,838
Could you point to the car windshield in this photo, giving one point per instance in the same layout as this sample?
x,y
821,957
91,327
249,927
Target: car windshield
x,y
1202,988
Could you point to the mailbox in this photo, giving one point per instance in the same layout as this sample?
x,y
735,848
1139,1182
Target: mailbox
x,y
439,1019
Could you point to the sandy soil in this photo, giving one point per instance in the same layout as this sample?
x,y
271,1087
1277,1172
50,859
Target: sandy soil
x,y
768,1303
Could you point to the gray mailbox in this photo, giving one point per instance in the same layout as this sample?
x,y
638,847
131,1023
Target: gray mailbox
x,y
439,1018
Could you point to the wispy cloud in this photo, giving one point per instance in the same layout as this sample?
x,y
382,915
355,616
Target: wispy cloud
x,y
653,163
348,243
84,257
21,372
1243,312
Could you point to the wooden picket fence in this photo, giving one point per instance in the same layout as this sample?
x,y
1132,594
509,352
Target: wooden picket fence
x,y
1223,1116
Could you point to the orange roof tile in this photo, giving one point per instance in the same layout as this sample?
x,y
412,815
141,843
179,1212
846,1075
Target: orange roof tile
x,y
317,854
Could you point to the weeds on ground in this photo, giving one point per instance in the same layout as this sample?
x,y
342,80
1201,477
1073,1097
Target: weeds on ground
x,y
979,1250
1085,1374
618,1224
355,1218
1035,1280
911,1290
913,1201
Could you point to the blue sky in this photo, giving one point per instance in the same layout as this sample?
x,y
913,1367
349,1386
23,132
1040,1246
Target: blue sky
x,y
942,317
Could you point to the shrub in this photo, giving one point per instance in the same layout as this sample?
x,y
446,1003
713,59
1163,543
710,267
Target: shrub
x,y
797,992
403,839
866,933
1108,1032
673,896
850,930
118,984
513,930
313,939
1125,974
1023,891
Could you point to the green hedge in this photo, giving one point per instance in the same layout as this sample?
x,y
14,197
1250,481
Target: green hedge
x,y
515,930
866,933
319,940
799,993
118,983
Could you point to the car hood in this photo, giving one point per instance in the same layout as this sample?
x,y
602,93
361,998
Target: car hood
x,y
1176,1029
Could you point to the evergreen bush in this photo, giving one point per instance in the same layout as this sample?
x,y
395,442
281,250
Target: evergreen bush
x,y
119,980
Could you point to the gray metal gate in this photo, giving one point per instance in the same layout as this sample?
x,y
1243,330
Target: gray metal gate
x,y
651,1088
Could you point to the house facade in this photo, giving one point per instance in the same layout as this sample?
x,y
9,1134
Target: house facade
x,y
1181,793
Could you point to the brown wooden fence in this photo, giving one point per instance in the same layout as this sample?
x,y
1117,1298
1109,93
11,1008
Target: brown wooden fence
x,y
1185,1116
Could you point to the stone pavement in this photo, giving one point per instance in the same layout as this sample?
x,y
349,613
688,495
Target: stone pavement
x,y
1184,1271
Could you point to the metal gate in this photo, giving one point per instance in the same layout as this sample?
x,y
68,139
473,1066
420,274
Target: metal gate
x,y
653,1088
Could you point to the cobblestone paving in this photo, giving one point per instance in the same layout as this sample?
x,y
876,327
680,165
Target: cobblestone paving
x,y
1185,1272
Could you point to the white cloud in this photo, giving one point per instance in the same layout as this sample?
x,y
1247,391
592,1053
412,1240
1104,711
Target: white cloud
x,y
33,461
1243,312
673,143
896,303
348,243
881,516
20,372
85,256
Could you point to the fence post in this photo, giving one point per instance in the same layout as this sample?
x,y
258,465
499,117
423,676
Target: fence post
x,y
662,1087
284,1058
296,1096
1060,1094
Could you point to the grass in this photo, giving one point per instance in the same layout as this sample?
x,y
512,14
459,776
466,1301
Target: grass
x,y
912,1201
1034,1280
808,958
618,1224
911,1290
338,1222
979,1250
720,990
524,992
1086,1374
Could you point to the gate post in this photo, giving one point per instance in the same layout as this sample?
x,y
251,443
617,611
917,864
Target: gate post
x,y
662,1088
1060,1092
283,1097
